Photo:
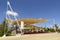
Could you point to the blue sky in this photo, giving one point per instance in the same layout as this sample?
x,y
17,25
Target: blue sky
x,y
49,9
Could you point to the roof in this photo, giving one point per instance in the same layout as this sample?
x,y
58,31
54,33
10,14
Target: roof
x,y
29,20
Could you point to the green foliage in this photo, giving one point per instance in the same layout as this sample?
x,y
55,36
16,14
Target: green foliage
x,y
8,34
3,28
1,31
49,30
58,30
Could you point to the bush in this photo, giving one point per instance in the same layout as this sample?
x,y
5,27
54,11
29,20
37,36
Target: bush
x,y
49,30
58,30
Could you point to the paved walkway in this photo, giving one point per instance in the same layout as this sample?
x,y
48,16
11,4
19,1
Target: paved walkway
x,y
46,36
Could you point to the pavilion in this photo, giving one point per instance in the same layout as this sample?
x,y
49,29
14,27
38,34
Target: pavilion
x,y
27,23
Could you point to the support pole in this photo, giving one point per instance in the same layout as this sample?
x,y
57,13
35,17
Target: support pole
x,y
22,27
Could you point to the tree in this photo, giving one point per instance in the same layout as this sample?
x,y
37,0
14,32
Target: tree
x,y
55,27
3,28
